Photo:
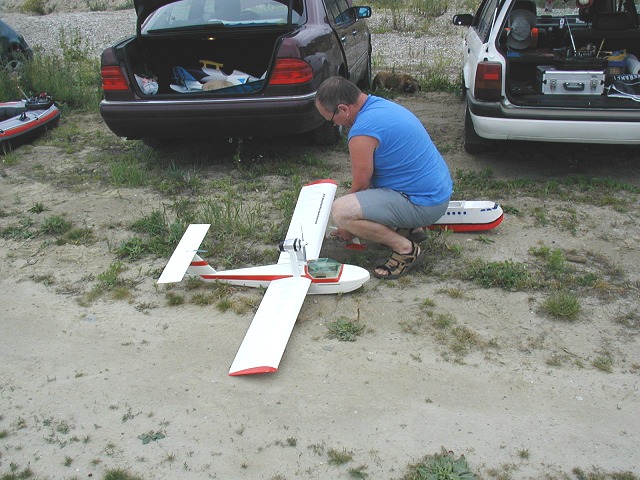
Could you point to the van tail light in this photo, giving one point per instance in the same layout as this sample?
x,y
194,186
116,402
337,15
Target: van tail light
x,y
113,79
488,85
291,71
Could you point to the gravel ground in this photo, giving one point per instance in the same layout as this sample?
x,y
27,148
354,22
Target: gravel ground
x,y
404,51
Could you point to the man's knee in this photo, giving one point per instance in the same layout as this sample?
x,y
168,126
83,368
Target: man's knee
x,y
346,208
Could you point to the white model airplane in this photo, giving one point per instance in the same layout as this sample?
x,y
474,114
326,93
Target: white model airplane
x,y
299,271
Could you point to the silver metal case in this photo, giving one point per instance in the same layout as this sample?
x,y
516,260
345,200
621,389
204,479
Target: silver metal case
x,y
550,81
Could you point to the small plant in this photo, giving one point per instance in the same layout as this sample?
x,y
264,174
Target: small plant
x,y
78,236
37,207
119,474
337,457
110,278
39,7
358,472
173,299
604,363
344,330
562,305
55,225
443,466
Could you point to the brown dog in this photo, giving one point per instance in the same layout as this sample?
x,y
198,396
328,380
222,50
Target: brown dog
x,y
399,82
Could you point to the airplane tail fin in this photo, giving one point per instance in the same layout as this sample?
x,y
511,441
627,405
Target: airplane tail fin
x,y
200,267
185,255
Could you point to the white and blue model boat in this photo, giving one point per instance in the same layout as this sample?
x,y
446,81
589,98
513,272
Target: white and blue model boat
x,y
21,121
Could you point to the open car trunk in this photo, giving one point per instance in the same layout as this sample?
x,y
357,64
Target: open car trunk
x,y
572,64
207,64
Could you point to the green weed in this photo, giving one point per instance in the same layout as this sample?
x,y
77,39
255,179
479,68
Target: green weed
x,y
37,7
562,305
604,363
442,466
119,474
339,457
71,78
55,225
344,330
508,275
37,207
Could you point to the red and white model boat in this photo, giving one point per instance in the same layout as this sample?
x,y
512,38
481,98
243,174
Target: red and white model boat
x,y
21,121
470,216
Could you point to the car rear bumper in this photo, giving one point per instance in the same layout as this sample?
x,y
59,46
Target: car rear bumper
x,y
499,121
264,116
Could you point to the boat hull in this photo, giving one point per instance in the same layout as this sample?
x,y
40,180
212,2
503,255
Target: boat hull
x,y
20,123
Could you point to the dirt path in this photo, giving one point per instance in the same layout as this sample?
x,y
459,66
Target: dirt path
x,y
80,384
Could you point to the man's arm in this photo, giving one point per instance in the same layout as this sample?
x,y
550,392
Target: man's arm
x,y
361,150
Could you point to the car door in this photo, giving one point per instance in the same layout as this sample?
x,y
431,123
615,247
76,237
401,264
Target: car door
x,y
353,35
476,37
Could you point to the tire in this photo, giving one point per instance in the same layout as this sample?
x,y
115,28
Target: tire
x,y
326,134
365,82
473,143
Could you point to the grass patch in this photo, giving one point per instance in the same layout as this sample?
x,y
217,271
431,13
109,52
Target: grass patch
x,y
563,306
508,275
119,474
72,78
576,189
55,225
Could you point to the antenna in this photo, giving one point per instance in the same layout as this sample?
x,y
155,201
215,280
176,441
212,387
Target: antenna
x,y
23,94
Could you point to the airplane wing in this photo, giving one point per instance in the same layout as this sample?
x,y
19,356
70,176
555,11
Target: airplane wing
x,y
184,252
269,332
311,215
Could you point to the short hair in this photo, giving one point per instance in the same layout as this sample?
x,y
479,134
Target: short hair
x,y
336,90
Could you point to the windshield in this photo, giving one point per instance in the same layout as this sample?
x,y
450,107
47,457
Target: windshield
x,y
197,13
324,268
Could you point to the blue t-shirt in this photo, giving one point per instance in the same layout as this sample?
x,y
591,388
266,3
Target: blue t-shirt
x,y
406,159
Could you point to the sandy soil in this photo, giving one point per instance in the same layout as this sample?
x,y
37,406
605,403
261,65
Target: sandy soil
x,y
80,384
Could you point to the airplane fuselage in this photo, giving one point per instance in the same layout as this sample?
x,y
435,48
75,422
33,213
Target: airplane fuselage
x,y
347,279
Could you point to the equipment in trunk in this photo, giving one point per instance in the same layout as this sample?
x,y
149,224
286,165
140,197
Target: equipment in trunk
x,y
551,81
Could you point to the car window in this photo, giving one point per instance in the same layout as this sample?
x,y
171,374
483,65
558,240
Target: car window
x,y
484,18
190,13
340,11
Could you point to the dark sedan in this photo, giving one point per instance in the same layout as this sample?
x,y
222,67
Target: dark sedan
x,y
232,68
13,47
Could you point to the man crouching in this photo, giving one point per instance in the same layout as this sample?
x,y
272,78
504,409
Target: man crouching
x,y
400,182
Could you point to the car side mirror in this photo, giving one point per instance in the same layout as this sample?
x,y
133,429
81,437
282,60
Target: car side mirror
x,y
464,19
362,12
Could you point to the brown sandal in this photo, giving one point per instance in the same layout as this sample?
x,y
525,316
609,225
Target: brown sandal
x,y
400,263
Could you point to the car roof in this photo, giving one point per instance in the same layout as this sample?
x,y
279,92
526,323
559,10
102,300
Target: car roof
x,y
9,35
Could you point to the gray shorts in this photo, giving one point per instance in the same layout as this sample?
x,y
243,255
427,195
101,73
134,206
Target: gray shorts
x,y
394,209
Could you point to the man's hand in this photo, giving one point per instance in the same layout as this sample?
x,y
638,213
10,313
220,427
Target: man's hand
x,y
342,234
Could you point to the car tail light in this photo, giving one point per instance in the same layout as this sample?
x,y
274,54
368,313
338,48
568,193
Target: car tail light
x,y
488,84
290,71
113,79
